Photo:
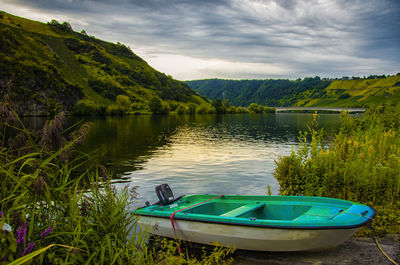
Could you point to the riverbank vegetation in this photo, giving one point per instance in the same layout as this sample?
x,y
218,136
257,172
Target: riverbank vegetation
x,y
59,207
48,68
353,91
53,68
361,163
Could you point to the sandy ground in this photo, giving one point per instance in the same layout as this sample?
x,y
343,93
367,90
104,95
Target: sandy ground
x,y
357,250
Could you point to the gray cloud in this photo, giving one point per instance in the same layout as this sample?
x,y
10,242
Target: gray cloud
x,y
305,38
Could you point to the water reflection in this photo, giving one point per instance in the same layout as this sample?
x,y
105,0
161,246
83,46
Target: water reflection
x,y
228,154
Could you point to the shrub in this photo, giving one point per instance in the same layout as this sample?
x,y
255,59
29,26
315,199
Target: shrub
x,y
157,106
87,107
254,108
49,204
123,101
181,109
361,163
192,108
115,110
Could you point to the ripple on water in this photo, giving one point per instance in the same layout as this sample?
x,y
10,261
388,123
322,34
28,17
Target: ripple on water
x,y
230,154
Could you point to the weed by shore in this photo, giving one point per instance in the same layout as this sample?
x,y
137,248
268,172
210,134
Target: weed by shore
x,y
361,163
57,208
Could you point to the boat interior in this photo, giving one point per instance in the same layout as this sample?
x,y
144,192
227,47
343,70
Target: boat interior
x,y
257,210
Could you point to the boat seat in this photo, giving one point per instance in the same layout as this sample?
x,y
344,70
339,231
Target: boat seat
x,y
244,209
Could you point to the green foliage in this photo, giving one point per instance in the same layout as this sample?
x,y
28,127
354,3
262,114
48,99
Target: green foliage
x,y
358,92
202,110
59,208
116,110
255,108
105,89
123,101
192,108
344,96
219,108
361,163
86,107
168,254
52,61
265,92
157,106
181,110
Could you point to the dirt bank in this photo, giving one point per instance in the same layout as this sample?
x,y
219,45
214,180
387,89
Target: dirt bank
x,y
358,250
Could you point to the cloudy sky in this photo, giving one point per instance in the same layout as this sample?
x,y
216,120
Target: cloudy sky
x,y
239,39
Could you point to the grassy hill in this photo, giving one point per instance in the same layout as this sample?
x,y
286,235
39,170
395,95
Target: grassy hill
x,y
48,67
357,93
310,92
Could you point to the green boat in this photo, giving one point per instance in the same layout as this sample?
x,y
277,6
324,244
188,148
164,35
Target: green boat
x,y
264,223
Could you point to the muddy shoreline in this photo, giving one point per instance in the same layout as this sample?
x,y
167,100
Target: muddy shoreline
x,y
357,250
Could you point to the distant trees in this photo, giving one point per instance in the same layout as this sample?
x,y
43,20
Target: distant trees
x,y
217,104
271,92
220,107
123,101
157,106
192,108
181,109
87,107
255,108
65,26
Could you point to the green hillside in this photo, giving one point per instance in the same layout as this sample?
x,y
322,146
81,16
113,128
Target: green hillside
x,y
48,67
357,93
310,92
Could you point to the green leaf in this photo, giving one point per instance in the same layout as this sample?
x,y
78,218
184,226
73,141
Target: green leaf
x,y
30,256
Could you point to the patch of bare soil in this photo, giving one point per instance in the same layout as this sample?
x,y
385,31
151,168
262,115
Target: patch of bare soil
x,y
357,250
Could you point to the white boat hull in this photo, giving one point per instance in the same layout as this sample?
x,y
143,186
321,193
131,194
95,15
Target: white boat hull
x,y
247,237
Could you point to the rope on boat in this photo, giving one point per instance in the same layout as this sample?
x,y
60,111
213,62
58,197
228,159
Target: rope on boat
x,y
379,246
173,214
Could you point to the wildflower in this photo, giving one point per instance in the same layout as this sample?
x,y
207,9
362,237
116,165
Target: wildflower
x,y
21,234
1,214
28,249
6,227
46,233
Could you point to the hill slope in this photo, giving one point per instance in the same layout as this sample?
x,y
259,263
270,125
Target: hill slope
x,y
45,67
310,92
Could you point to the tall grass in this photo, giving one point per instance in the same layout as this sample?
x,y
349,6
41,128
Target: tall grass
x,y
62,209
361,163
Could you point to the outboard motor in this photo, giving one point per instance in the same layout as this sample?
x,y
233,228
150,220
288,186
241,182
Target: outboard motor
x,y
164,194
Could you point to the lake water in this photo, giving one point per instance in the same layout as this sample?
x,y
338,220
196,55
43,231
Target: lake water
x,y
216,154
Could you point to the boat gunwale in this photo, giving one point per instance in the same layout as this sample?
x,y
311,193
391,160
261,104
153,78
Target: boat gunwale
x,y
274,226
194,218
190,219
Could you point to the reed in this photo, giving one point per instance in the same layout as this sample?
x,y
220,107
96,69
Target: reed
x,y
56,207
